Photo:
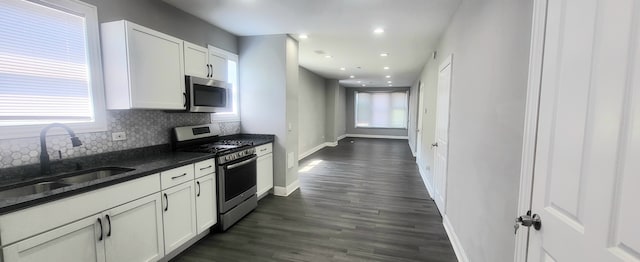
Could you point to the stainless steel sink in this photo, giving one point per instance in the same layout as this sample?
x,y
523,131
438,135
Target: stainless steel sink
x,y
45,184
93,174
31,189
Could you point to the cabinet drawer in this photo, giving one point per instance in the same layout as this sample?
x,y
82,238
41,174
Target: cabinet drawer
x,y
176,176
205,167
264,149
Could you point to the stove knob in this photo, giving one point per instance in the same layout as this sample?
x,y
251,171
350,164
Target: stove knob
x,y
228,158
241,154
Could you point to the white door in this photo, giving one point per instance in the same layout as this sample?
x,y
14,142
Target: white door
x,y
133,231
442,135
206,212
587,165
179,215
80,241
420,112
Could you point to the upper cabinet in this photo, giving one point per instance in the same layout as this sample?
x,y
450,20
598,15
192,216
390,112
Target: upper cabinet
x,y
205,62
144,69
196,60
218,62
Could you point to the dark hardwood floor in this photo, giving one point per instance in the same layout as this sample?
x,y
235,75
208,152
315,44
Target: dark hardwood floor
x,y
361,201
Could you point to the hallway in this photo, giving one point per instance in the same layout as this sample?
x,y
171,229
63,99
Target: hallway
x,y
360,201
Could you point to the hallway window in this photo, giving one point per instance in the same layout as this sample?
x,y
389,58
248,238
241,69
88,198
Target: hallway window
x,y
381,109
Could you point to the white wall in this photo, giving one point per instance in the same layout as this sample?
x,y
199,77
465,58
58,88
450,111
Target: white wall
x,y
489,40
341,112
413,118
312,109
263,92
292,93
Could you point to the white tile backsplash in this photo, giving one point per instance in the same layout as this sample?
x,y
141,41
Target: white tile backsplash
x,y
143,128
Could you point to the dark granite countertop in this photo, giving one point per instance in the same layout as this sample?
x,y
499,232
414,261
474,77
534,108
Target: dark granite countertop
x,y
145,161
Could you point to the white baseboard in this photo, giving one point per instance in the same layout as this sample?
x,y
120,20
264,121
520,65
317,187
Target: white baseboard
x,y
342,137
423,174
377,136
311,151
286,191
331,144
455,241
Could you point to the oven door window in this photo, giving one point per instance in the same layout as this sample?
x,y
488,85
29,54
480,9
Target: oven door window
x,y
239,179
209,96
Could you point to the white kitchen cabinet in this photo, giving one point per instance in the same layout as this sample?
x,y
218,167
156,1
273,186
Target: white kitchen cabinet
x,y
264,181
143,68
80,241
129,232
218,62
179,215
134,231
196,60
206,215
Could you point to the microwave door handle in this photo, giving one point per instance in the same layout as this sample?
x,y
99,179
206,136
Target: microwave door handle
x,y
242,163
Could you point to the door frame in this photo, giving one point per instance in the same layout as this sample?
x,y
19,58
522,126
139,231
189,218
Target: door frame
x,y
536,53
419,119
447,62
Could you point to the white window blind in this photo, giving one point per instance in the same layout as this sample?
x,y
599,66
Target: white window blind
x,y
44,67
381,109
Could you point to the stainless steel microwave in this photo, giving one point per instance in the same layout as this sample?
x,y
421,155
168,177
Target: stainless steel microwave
x,y
207,95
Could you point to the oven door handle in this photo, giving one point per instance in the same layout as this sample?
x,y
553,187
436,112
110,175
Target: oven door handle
x,y
242,163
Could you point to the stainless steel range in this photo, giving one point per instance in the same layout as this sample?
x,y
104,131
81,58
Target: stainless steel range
x,y
236,169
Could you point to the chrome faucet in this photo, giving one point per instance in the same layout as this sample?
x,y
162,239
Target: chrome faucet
x,y
45,167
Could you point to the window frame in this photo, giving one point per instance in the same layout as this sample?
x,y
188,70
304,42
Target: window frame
x,y
96,90
355,109
229,116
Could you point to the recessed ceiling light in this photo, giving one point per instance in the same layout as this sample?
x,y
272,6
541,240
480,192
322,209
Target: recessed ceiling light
x,y
388,76
386,68
359,82
364,85
389,82
342,68
352,76
328,56
384,54
379,30
390,85
303,36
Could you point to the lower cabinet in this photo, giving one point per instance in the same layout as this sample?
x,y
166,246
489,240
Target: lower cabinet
x,y
81,241
265,174
206,215
107,236
133,231
179,215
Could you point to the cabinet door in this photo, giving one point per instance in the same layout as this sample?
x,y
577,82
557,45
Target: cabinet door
x,y
179,215
206,202
156,64
219,63
196,60
80,241
265,174
133,231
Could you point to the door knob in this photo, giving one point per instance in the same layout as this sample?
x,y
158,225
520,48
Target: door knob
x,y
527,221
434,145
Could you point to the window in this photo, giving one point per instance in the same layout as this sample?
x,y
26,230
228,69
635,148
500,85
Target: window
x,y
381,109
50,68
232,78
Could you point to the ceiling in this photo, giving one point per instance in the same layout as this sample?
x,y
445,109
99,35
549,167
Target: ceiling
x,y
343,29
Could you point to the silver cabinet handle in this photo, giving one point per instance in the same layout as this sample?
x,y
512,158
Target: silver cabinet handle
x,y
198,183
176,177
101,230
207,167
